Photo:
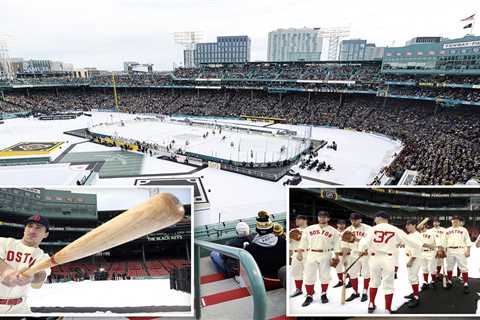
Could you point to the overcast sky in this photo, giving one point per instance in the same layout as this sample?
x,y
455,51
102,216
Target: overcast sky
x,y
104,33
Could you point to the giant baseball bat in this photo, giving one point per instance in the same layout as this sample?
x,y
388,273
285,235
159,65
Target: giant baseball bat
x,y
159,212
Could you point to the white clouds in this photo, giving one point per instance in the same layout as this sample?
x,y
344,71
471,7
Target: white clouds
x,y
105,33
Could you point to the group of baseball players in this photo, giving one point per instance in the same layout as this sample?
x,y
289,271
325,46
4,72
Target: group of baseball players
x,y
372,253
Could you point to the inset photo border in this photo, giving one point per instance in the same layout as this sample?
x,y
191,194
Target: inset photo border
x,y
97,251
415,249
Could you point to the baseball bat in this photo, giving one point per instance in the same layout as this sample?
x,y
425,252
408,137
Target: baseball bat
x,y
444,278
422,223
159,212
344,291
344,288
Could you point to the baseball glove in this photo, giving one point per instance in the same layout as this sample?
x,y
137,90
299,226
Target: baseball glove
x,y
348,236
334,262
440,254
295,234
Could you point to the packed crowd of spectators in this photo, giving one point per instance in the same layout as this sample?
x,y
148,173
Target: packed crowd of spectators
x,y
437,93
133,80
442,144
277,71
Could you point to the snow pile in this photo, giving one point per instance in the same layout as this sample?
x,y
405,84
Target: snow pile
x,y
119,293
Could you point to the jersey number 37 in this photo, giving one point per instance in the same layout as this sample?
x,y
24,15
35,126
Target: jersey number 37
x,y
383,236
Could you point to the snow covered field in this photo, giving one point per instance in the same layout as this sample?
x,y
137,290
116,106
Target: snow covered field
x,y
402,288
118,293
360,156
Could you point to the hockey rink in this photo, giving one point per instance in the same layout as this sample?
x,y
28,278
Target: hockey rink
x,y
356,307
359,158
228,144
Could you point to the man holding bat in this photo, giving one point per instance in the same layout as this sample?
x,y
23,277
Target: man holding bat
x,y
17,255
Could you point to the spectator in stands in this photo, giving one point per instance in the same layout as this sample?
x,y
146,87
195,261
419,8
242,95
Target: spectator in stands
x,y
278,230
268,250
230,266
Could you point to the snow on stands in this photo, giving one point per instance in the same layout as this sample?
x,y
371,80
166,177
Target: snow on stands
x,y
402,288
118,293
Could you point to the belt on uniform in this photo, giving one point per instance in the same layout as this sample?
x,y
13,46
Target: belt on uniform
x,y
11,302
388,254
455,247
326,250
347,254
427,250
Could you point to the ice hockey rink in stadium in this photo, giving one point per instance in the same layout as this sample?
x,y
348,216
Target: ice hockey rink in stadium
x,y
220,195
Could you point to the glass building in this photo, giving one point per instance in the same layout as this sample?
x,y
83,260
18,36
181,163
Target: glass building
x,y
226,49
292,44
352,50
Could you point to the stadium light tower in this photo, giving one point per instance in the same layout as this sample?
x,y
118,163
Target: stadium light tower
x,y
334,36
188,39
5,64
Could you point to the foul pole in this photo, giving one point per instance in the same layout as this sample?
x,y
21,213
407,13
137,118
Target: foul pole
x,y
115,97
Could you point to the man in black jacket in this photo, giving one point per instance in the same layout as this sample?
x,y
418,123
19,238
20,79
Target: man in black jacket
x,y
268,250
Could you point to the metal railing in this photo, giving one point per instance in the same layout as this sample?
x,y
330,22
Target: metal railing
x,y
255,279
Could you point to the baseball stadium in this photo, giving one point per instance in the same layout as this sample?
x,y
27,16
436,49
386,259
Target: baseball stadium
x,y
148,276
256,126
403,206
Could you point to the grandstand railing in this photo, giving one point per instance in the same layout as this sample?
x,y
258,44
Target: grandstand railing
x,y
257,287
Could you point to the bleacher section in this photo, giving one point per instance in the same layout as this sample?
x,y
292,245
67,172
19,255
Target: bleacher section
x,y
132,269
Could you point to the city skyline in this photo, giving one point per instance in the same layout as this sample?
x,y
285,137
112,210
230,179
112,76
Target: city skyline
x,y
107,33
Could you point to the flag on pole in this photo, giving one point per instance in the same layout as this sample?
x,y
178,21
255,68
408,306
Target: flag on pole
x,y
472,17
468,26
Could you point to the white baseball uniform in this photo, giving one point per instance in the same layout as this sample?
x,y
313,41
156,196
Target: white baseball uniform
x,y
429,263
413,251
18,256
457,240
321,242
382,243
341,264
440,238
297,266
360,268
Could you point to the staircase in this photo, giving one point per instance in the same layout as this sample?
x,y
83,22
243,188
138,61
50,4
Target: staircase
x,y
226,299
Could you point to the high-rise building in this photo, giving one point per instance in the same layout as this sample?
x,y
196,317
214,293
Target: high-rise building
x,y
226,49
292,44
372,52
352,50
